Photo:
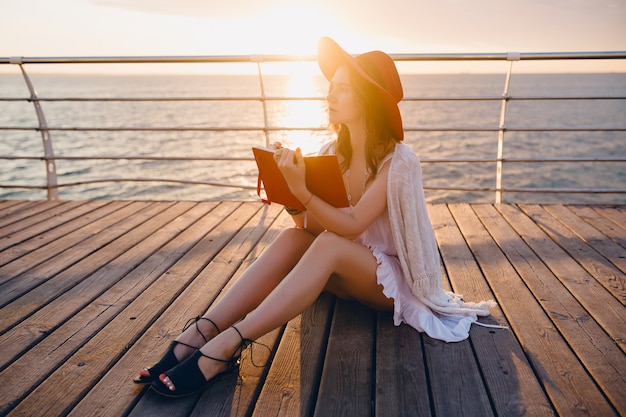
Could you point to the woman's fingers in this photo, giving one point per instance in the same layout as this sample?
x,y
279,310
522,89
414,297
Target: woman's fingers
x,y
298,157
285,157
276,145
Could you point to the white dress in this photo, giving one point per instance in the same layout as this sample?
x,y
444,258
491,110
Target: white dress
x,y
448,327
408,308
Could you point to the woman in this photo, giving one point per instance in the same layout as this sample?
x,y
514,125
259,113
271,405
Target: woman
x,y
380,251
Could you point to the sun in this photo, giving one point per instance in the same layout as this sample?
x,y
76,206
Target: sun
x,y
295,29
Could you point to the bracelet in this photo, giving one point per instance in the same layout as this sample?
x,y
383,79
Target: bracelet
x,y
293,211
309,200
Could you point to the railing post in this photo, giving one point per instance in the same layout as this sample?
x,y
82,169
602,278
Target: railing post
x,y
502,127
51,169
264,102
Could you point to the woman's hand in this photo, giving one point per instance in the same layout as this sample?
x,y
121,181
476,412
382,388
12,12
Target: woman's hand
x,y
291,165
275,146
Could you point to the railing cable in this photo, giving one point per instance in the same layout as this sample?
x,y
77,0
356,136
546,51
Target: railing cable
x,y
49,156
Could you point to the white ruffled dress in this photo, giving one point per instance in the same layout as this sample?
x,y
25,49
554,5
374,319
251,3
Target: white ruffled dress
x,y
452,325
407,308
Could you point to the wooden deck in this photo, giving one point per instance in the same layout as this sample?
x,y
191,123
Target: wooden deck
x,y
93,290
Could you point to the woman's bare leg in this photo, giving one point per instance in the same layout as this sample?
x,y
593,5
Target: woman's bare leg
x,y
251,288
262,277
332,263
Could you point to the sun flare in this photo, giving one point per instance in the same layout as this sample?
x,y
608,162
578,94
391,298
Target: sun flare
x,y
304,113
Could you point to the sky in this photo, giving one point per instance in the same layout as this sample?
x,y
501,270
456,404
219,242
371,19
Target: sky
x,y
241,27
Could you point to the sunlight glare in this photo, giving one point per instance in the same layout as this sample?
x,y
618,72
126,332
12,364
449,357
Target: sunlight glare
x,y
292,28
306,113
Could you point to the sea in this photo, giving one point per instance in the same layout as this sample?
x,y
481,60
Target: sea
x,y
444,142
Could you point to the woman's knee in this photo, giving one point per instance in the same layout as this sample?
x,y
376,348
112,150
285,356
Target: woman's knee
x,y
293,237
298,234
327,244
327,238
292,233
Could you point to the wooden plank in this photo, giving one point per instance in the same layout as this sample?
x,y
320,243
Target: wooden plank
x,y
291,385
185,290
20,244
567,383
607,310
592,249
7,204
602,223
455,381
33,268
64,253
34,226
14,207
346,384
467,279
400,371
508,376
39,218
22,211
52,351
454,376
91,361
64,295
182,292
615,214
598,353
237,395
94,351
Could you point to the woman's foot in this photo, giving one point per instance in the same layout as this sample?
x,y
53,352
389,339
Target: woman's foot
x,y
201,369
181,348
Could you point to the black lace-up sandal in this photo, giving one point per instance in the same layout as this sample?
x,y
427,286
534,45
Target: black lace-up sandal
x,y
187,378
169,360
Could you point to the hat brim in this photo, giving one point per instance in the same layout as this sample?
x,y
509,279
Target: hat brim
x,y
331,56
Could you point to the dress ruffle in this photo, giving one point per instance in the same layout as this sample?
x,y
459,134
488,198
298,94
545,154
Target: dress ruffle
x,y
410,310
449,318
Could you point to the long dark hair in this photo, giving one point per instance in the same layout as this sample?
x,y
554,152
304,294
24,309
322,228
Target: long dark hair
x,y
380,138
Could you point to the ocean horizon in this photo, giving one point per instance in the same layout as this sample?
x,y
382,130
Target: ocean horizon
x,y
438,144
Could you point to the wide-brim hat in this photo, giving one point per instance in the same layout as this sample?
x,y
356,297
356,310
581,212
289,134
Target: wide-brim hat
x,y
375,67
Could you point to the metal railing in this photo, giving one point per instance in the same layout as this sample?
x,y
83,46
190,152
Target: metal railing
x,y
52,185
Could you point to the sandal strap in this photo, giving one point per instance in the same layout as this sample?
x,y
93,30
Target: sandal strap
x,y
212,322
195,321
236,355
249,342
184,344
243,339
232,362
215,359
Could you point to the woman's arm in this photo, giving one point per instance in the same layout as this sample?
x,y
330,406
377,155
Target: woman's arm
x,y
305,220
353,222
349,224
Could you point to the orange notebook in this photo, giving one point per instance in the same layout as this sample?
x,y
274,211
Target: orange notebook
x,y
323,178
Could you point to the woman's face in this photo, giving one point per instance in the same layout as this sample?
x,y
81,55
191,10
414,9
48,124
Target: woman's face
x,y
343,106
